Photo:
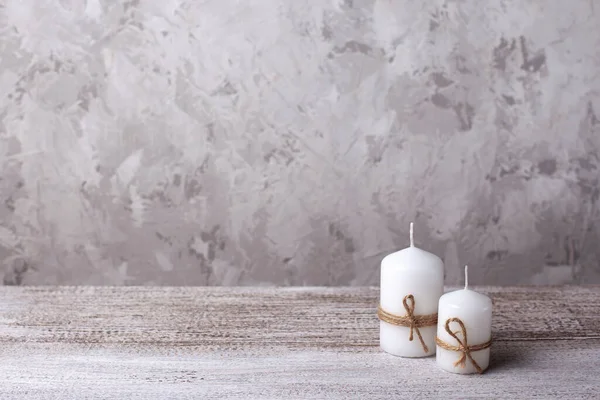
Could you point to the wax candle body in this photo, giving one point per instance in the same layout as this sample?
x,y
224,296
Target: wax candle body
x,y
475,311
415,272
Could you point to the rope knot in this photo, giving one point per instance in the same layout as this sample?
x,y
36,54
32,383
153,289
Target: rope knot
x,y
410,320
410,313
463,345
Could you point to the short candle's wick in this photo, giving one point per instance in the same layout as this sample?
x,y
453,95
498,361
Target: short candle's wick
x,y
466,276
412,242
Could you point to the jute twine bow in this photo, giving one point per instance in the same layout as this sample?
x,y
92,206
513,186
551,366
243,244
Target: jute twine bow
x,y
463,345
410,320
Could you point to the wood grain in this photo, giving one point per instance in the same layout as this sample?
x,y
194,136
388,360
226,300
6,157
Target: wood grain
x,y
151,342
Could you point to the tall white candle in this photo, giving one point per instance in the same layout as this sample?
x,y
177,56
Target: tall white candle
x,y
412,281
464,331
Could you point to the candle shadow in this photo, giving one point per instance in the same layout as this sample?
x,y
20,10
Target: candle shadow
x,y
508,356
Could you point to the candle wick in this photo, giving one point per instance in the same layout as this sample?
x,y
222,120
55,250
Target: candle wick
x,y
412,242
466,276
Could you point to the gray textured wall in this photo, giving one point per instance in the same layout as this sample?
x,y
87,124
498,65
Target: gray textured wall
x,y
292,142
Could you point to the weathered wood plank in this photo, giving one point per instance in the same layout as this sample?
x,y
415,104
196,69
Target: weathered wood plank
x,y
231,343
243,317
520,370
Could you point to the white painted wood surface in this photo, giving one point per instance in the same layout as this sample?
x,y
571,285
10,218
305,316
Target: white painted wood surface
x,y
285,343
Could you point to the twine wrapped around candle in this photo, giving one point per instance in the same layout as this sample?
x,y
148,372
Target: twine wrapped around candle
x,y
463,345
410,320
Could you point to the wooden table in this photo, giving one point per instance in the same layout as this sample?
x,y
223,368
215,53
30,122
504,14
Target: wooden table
x,y
278,343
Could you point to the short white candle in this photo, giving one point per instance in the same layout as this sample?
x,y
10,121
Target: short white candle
x,y
475,311
417,273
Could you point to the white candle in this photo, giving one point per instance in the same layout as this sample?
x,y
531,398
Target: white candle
x,y
412,281
464,331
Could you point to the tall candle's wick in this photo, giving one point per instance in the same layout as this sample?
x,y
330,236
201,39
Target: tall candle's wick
x,y
412,242
466,276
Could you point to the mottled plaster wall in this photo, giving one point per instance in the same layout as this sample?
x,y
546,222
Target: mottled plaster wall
x,y
292,142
